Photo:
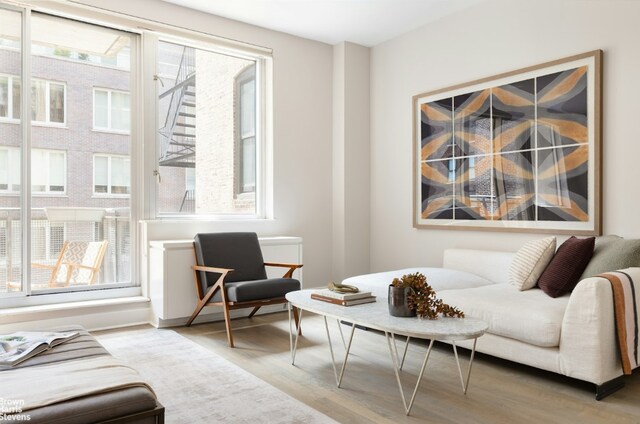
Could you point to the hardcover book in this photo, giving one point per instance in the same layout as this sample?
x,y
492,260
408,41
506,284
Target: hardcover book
x,y
342,296
352,302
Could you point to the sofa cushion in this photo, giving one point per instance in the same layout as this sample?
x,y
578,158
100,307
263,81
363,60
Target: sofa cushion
x,y
613,255
438,278
530,261
566,267
529,316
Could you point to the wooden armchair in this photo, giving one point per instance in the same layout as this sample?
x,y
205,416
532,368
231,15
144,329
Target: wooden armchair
x,y
230,272
79,262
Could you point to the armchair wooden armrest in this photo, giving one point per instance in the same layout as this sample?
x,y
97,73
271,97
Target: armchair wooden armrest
x,y
211,269
289,273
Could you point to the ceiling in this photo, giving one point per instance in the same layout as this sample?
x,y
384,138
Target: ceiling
x,y
365,22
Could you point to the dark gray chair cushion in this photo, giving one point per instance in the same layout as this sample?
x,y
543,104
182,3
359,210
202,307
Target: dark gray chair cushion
x,y
245,291
240,252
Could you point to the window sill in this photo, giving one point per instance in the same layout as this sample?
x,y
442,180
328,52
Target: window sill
x,y
49,125
17,194
108,131
71,306
111,196
64,126
209,218
96,314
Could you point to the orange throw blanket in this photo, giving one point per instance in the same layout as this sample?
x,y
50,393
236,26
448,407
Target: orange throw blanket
x,y
626,317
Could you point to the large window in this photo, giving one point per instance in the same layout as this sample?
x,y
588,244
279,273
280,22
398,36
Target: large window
x,y
79,191
111,175
111,110
47,100
209,138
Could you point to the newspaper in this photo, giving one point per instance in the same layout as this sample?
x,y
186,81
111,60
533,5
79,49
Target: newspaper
x,y
22,345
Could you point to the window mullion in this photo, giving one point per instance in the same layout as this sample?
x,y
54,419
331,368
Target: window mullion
x,y
109,126
47,101
9,97
109,175
25,170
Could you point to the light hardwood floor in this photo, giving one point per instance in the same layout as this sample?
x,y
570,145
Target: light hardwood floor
x,y
499,391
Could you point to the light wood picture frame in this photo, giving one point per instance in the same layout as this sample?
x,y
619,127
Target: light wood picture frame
x,y
519,151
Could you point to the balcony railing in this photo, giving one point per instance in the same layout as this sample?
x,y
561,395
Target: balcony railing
x,y
50,228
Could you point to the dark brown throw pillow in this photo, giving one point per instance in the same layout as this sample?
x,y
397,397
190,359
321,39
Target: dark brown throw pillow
x,y
564,271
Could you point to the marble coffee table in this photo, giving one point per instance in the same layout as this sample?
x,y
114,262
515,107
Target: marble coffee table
x,y
376,316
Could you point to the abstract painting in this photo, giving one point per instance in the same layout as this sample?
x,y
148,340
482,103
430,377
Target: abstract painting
x,y
518,151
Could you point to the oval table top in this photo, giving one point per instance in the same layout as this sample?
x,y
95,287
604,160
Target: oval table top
x,y
376,316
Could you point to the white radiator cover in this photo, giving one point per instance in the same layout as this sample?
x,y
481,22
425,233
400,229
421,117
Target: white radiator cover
x,y
172,289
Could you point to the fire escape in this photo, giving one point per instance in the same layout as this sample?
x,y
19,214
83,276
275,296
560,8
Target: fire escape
x,y
178,134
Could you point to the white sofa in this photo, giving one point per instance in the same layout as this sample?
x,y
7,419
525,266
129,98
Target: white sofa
x,y
572,335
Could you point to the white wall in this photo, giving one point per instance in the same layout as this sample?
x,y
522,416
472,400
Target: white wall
x,y
351,160
302,119
490,38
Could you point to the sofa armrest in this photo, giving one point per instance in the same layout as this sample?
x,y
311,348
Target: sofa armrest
x,y
588,345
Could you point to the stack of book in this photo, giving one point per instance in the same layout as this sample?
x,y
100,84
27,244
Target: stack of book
x,y
343,299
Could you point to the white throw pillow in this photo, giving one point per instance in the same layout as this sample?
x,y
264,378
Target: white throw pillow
x,y
530,261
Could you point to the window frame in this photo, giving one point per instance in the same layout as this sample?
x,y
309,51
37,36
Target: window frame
x,y
109,193
109,128
263,64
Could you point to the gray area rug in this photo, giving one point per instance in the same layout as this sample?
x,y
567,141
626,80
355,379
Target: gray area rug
x,y
197,386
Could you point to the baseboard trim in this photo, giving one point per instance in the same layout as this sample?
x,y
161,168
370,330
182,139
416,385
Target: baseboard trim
x,y
216,316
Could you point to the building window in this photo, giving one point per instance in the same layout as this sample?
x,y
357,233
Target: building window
x,y
111,110
9,97
48,99
48,171
246,130
111,175
10,170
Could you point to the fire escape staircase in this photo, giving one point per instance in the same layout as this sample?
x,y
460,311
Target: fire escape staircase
x,y
178,134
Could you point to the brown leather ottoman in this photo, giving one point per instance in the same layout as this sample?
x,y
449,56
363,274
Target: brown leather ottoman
x,y
129,405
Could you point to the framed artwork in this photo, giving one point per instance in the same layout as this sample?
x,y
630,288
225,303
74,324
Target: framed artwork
x,y
520,151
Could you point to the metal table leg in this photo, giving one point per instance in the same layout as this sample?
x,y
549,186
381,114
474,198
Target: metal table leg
x,y
465,384
294,345
346,354
396,367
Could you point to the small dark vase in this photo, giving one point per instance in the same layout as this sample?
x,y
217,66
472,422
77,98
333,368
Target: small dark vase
x,y
399,302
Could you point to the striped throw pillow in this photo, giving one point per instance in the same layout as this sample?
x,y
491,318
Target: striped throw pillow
x,y
530,261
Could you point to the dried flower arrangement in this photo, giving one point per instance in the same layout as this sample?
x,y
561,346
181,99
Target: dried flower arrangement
x,y
423,299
